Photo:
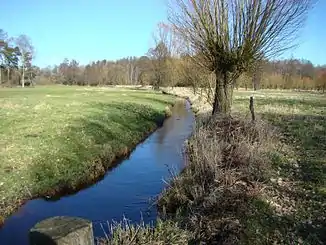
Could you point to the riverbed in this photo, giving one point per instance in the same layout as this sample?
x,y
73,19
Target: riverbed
x,y
128,190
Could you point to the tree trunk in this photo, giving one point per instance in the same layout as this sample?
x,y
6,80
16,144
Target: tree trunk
x,y
8,74
251,108
194,87
23,77
256,78
223,95
31,79
0,76
254,83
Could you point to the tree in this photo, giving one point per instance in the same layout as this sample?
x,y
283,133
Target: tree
x,y
73,72
11,62
162,53
63,71
159,56
229,37
3,37
8,55
256,74
321,80
26,48
307,69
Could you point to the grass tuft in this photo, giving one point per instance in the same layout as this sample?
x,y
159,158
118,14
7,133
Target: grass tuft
x,y
125,233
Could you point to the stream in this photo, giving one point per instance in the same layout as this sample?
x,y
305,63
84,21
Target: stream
x,y
125,191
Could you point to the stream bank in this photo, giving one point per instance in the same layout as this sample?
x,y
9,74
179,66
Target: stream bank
x,y
125,190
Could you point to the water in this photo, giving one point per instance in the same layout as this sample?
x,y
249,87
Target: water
x,y
125,191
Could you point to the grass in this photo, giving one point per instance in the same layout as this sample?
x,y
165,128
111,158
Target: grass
x,y
164,232
228,165
261,183
55,139
301,118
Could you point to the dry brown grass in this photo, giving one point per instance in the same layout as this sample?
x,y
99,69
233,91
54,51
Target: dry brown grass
x,y
124,233
228,167
247,184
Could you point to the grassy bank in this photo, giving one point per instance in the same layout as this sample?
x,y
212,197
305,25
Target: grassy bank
x,y
261,183
55,139
300,163
249,183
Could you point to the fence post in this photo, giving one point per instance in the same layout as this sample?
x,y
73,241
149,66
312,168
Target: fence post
x,y
251,107
61,230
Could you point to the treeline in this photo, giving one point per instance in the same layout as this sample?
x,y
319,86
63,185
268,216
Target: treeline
x,y
281,74
127,71
286,74
161,66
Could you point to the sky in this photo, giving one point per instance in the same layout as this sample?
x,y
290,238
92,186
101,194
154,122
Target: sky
x,y
90,30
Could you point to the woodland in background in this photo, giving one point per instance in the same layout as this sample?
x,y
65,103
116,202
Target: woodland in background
x,y
281,74
159,67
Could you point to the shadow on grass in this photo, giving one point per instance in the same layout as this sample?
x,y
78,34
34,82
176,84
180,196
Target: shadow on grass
x,y
91,146
308,134
309,221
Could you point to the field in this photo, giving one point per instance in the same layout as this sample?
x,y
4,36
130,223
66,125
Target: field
x,y
255,183
301,163
301,116
55,139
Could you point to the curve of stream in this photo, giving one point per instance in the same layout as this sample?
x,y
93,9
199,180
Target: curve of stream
x,y
124,191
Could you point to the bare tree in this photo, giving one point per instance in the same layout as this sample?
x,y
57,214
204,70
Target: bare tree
x,y
161,55
256,74
228,37
158,56
26,48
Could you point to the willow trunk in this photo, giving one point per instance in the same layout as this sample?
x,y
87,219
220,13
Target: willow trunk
x,y
223,95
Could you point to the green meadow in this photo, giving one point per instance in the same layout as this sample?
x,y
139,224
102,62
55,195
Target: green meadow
x,y
57,138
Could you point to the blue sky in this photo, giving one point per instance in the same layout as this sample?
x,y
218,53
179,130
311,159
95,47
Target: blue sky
x,y
88,30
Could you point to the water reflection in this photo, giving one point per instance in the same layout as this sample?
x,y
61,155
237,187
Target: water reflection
x,y
170,127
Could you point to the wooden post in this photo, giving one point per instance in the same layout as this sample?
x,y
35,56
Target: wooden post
x,y
251,107
62,230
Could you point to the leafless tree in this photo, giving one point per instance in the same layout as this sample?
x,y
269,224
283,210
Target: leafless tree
x,y
228,37
26,48
159,55
165,47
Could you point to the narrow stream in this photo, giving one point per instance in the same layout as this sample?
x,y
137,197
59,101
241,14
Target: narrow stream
x,y
125,191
